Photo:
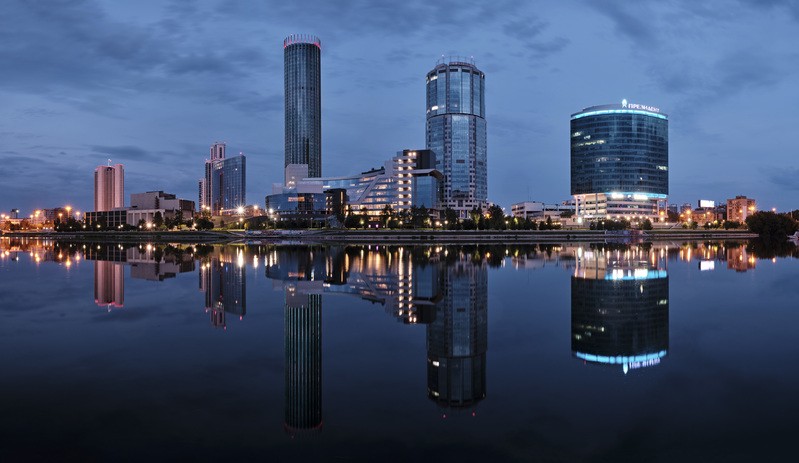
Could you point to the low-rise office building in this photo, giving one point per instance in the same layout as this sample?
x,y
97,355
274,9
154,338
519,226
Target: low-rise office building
x,y
537,210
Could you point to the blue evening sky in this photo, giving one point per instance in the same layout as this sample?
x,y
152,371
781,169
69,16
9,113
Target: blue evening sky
x,y
151,84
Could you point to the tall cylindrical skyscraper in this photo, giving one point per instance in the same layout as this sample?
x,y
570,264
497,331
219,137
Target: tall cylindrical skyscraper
x,y
456,132
302,77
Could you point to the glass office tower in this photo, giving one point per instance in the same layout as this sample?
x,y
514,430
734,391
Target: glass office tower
x,y
620,161
456,132
302,77
228,185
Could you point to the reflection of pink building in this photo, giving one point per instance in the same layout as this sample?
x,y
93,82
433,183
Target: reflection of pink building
x,y
109,283
740,260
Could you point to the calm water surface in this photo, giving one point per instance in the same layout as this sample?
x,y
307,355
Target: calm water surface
x,y
572,352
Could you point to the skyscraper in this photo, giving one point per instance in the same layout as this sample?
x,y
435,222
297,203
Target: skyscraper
x,y
109,187
223,188
620,161
456,132
302,76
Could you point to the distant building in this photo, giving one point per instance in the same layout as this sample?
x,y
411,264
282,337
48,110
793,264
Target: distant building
x,y
537,210
740,208
107,219
303,102
144,207
456,132
620,161
406,180
109,187
223,188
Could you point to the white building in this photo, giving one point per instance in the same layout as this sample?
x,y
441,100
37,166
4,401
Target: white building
x,y
537,210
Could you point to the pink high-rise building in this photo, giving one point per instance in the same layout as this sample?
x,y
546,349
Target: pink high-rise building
x,y
109,187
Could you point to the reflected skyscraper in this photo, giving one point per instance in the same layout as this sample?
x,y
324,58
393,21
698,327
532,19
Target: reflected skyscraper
x,y
303,93
620,307
302,274
457,340
303,370
223,280
109,283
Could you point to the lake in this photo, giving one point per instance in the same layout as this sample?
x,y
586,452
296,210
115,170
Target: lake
x,y
665,351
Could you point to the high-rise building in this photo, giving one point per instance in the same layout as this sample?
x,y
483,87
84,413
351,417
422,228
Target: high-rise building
x,y
620,162
302,77
223,188
109,187
456,132
740,208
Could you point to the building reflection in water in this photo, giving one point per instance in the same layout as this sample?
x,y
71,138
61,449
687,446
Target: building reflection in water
x,y
147,262
109,274
447,290
457,338
302,274
620,306
223,279
109,284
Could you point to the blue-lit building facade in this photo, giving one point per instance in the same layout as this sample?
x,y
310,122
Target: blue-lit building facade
x,y
222,190
303,102
620,162
620,307
456,132
228,185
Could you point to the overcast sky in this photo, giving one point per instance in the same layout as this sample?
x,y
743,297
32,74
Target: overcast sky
x,y
151,84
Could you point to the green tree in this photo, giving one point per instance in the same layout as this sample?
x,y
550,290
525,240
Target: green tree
x,y
771,226
496,218
386,215
646,225
450,219
420,217
158,219
204,223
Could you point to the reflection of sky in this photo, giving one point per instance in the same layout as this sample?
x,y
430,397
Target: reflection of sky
x,y
155,379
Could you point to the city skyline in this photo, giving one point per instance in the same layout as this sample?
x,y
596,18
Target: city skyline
x,y
145,89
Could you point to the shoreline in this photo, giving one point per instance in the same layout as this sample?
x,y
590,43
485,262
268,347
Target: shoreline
x,y
387,236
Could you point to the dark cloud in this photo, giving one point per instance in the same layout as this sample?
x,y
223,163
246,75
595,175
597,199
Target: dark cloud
x,y
528,33
786,178
124,153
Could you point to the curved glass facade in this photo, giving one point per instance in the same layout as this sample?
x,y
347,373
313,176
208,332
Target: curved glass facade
x,y
302,76
456,132
617,149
